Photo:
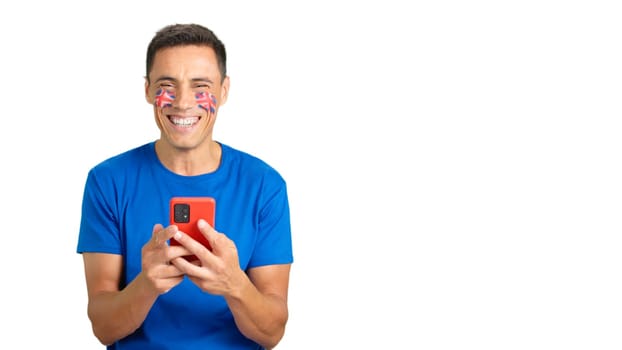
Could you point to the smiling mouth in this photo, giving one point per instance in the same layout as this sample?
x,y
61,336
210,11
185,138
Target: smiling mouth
x,y
184,122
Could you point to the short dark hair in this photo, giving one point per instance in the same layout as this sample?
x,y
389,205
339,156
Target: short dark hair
x,y
187,34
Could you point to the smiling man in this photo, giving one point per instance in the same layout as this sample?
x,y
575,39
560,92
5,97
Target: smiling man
x,y
142,293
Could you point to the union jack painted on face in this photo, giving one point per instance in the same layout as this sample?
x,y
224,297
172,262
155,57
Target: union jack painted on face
x,y
207,101
164,98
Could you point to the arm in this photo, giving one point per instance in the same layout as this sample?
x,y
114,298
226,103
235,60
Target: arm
x,y
115,313
259,304
258,300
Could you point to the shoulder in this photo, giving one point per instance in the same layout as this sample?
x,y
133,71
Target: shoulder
x,y
125,159
251,167
119,171
122,165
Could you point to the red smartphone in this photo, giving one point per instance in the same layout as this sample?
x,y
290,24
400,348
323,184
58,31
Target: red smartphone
x,y
185,212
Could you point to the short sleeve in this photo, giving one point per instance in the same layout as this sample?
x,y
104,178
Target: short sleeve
x,y
99,226
274,241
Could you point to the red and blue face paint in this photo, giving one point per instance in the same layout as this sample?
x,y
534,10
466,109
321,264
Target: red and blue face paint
x,y
164,98
207,101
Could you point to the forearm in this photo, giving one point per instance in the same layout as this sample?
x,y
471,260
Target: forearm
x,y
260,317
115,315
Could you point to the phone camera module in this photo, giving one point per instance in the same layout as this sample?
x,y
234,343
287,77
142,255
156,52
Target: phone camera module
x,y
182,212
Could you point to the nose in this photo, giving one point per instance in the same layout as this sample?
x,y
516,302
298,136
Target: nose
x,y
184,98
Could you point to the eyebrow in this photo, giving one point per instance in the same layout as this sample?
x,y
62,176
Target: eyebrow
x,y
195,80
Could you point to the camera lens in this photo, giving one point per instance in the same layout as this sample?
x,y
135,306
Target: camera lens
x,y
181,212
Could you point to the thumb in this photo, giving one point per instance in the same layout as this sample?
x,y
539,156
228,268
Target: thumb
x,y
156,228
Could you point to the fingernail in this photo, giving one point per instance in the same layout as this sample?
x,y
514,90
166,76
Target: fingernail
x,y
177,235
202,223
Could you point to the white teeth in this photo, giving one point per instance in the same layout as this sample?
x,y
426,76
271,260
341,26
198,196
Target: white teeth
x,y
184,121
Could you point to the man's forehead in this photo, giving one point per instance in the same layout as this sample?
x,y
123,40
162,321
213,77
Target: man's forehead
x,y
187,63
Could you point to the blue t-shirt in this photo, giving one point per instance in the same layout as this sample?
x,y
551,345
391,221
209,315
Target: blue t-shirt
x,y
127,194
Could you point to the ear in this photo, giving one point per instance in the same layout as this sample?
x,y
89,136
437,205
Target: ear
x,y
224,91
149,101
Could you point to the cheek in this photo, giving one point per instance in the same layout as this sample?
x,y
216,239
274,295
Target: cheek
x,y
164,98
207,101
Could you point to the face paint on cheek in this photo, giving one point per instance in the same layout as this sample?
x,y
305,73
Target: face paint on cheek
x,y
206,101
164,98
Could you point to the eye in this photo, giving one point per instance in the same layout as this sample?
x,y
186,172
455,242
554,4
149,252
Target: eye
x,y
166,85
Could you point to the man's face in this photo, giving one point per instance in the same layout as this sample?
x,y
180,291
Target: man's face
x,y
185,88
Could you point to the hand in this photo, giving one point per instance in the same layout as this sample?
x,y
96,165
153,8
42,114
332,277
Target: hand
x,y
217,271
156,260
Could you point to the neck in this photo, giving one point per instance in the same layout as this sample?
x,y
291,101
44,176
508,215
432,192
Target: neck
x,y
189,162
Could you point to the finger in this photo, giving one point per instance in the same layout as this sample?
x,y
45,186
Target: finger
x,y
182,264
154,233
217,241
161,235
210,234
196,248
189,268
176,251
170,271
168,233
192,245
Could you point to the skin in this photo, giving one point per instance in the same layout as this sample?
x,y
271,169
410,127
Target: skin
x,y
257,297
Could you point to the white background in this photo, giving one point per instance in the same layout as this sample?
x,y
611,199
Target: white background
x,y
453,166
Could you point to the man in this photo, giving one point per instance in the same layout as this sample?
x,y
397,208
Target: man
x,y
142,293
